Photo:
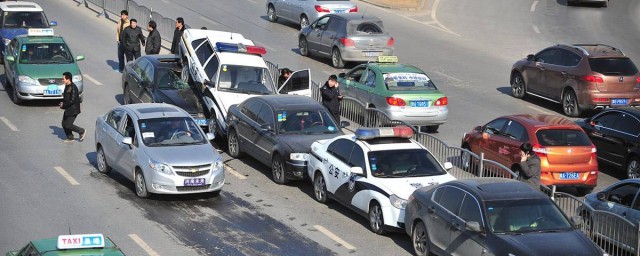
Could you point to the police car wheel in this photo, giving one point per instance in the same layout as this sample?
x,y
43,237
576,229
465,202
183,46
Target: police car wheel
x,y
141,185
320,188
277,169
376,218
103,167
420,240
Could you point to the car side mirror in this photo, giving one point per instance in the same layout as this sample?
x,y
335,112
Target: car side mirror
x,y
473,226
127,140
478,128
80,57
11,59
344,124
266,127
356,170
210,136
530,57
341,75
53,23
448,166
601,196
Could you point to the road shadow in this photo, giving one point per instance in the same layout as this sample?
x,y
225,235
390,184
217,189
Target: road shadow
x,y
58,131
115,65
119,98
327,61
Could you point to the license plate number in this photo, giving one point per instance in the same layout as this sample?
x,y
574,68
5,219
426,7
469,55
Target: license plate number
x,y
371,54
340,11
419,103
201,122
619,101
569,176
52,89
194,182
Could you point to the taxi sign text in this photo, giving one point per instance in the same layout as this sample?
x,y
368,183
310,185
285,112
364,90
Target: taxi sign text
x,y
80,241
388,59
40,32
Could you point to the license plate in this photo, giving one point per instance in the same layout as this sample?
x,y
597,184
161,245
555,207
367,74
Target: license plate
x,y
371,54
339,11
569,176
619,101
52,89
194,182
201,122
419,103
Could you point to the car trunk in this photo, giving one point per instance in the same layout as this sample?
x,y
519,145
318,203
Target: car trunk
x,y
368,34
569,155
564,146
618,74
338,6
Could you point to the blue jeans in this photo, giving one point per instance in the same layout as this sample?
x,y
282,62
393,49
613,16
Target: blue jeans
x,y
120,57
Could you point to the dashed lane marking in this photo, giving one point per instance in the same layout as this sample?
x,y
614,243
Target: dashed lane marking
x,y
66,175
93,80
9,124
536,29
540,110
234,173
143,245
533,6
210,21
447,76
252,1
334,237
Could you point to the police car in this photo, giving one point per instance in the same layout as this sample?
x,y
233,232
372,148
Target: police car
x,y
374,172
84,244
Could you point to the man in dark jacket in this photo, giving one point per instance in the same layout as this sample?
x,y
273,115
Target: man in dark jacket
x,y
530,164
71,106
177,34
331,97
132,39
153,39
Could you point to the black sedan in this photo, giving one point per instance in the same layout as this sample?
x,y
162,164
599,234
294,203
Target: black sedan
x,y
157,79
616,134
491,216
278,130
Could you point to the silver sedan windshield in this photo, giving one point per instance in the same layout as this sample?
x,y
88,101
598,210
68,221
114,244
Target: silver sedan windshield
x,y
174,131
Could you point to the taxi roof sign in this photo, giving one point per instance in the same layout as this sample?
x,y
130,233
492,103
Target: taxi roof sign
x,y
82,241
40,32
387,59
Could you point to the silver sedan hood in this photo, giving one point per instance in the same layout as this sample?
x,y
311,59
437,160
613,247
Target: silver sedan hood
x,y
187,155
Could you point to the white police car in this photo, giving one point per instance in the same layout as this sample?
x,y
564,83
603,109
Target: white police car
x,y
374,172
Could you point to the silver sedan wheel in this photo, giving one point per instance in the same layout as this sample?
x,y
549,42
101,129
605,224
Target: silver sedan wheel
x,y
103,167
271,13
304,21
141,185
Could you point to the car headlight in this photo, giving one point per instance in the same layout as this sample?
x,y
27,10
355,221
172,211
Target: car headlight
x,y
27,80
160,167
76,78
299,156
398,202
218,164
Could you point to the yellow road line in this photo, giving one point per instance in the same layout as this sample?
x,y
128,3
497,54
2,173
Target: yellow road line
x,y
143,245
66,175
334,237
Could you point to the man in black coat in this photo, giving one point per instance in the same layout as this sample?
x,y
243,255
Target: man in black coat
x,y
71,106
530,165
132,39
153,39
331,97
177,34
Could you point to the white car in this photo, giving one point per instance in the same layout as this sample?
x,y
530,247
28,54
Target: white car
x,y
374,172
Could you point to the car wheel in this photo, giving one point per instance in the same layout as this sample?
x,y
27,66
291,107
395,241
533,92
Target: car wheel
x,y
304,47
103,167
141,185
336,58
432,128
320,188
277,169
126,97
420,239
14,96
633,168
467,161
518,88
234,144
271,13
570,104
376,219
304,21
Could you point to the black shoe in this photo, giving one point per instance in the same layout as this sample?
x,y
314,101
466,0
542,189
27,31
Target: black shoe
x,y
82,135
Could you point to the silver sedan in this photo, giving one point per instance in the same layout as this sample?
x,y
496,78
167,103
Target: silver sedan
x,y
160,148
305,11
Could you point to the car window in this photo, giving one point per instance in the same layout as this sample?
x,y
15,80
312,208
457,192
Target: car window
x,y
211,69
265,116
13,45
299,80
360,27
408,81
140,67
608,119
623,194
203,53
525,215
516,131
357,158
170,131
452,199
613,66
129,130
45,53
316,121
399,163
250,109
629,124
370,78
245,79
547,56
567,58
24,20
562,137
334,25
322,23
470,209
115,118
356,73
341,149
149,72
495,126
170,79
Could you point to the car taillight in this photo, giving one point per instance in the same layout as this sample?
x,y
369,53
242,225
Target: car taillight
x,y
320,8
354,9
593,79
347,42
393,101
391,42
442,101
539,150
594,151
638,79
637,87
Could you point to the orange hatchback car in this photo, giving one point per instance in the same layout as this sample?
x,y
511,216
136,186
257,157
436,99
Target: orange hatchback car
x,y
567,156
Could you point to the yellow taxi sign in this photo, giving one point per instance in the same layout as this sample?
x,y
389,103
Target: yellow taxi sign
x,y
388,59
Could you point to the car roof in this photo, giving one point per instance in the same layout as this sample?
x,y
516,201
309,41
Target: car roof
x,y
356,16
155,110
24,38
489,189
19,6
543,121
285,102
394,67
164,60
593,50
50,247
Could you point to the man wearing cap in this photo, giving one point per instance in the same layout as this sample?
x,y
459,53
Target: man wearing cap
x,y
331,97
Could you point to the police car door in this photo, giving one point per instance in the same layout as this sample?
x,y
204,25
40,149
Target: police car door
x,y
335,166
299,83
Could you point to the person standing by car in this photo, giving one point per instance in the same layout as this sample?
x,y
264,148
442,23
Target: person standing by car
x,y
530,164
331,97
122,24
71,106
153,39
284,75
132,39
177,34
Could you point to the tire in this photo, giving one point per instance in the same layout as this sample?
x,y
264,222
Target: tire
x,y
376,218
304,21
271,14
570,104
518,88
303,46
466,161
633,167
14,96
126,97
101,160
278,170
432,128
420,240
141,185
234,144
320,188
336,59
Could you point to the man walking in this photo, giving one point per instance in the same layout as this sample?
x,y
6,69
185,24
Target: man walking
x,y
177,34
153,40
132,39
71,106
122,24
331,97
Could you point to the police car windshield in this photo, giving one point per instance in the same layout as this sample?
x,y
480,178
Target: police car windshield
x,y
44,53
306,122
400,163
525,215
175,131
244,79
24,20
408,82
169,79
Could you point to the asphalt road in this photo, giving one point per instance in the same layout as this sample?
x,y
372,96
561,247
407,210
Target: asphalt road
x,y
467,47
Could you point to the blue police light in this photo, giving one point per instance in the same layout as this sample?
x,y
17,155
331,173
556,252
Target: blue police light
x,y
387,132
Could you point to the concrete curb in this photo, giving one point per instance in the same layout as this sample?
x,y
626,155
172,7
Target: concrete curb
x,y
423,4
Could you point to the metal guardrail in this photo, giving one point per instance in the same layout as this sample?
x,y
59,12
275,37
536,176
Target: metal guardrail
x,y
274,71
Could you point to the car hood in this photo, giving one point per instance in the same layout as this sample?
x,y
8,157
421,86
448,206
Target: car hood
x,y
404,187
37,71
301,143
562,243
183,155
183,98
230,98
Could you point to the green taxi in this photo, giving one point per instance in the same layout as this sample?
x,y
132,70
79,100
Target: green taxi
x,y
34,64
85,244
403,92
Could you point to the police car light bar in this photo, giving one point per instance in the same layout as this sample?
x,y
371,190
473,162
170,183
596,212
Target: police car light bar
x,y
80,241
40,32
229,47
387,132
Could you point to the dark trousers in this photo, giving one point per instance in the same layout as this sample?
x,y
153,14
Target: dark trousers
x,y
336,115
121,57
132,55
69,127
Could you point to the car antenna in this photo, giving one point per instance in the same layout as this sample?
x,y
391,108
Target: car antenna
x,y
365,12
69,230
231,33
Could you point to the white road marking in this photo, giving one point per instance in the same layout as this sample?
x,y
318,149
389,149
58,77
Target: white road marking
x,y
536,29
252,1
533,6
143,245
93,80
334,237
540,110
9,124
271,49
210,20
438,25
66,175
165,1
447,76
234,173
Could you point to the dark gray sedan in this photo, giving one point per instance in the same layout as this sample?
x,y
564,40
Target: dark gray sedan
x,y
346,37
